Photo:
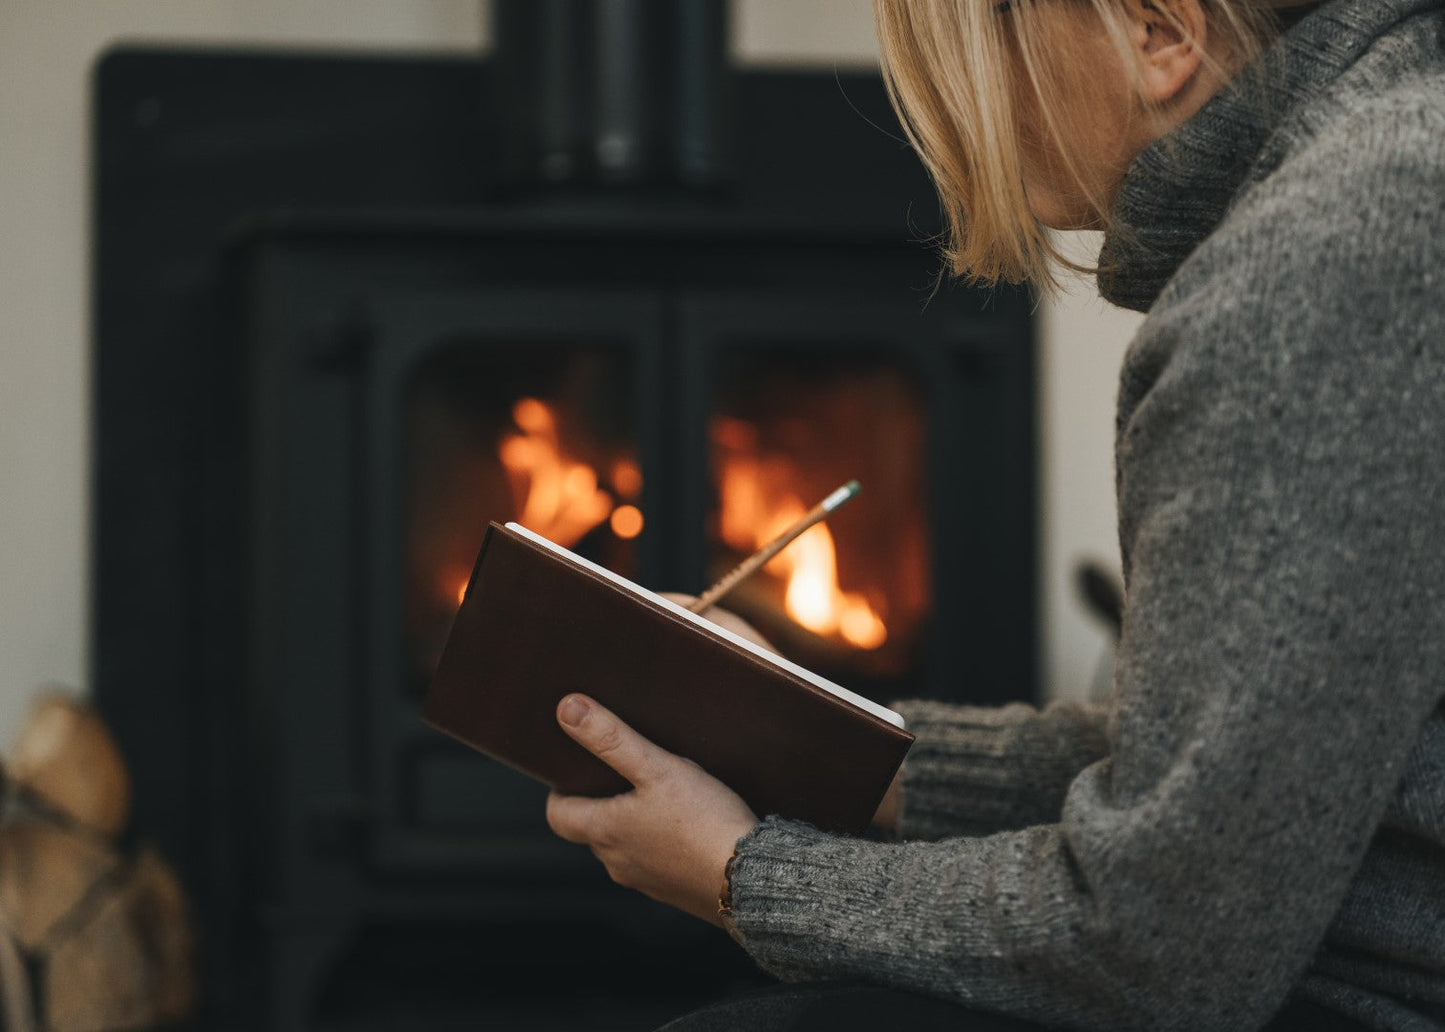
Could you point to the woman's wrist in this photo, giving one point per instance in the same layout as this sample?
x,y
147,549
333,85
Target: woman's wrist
x,y
725,894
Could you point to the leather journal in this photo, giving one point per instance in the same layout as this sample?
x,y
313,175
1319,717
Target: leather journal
x,y
537,622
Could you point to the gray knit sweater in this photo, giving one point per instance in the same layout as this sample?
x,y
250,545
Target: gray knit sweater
x,y
1261,809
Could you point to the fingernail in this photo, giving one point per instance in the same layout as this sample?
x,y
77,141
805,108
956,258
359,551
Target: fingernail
x,y
572,710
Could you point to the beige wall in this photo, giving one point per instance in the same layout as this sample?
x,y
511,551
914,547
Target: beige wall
x,y
47,48
1081,344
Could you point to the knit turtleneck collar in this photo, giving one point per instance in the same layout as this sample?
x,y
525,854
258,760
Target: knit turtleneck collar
x,y
1180,187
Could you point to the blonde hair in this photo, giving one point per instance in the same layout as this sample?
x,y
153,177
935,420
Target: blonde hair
x,y
962,76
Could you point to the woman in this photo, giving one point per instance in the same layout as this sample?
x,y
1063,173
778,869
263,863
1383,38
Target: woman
x,y
1252,834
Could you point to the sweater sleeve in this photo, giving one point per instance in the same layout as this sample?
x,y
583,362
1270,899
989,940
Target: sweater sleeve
x,y
1280,479
974,770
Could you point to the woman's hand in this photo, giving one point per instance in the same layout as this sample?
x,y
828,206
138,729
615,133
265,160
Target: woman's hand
x,y
724,618
671,836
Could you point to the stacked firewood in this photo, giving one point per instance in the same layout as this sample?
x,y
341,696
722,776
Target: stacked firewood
x,y
93,937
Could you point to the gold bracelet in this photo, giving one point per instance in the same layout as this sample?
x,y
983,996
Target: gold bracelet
x,y
725,896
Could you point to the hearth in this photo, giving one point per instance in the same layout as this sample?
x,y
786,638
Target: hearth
x,y
338,331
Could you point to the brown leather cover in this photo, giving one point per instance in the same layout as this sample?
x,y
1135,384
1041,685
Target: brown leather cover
x,y
534,626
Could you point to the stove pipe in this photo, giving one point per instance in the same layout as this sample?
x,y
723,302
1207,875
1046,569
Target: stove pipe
x,y
613,92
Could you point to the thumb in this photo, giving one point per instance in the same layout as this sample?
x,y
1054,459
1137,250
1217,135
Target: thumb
x,y
602,733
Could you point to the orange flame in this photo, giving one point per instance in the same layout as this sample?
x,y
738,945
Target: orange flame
x,y
627,478
561,498
554,493
755,507
626,521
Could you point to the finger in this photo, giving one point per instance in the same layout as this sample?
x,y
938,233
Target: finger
x,y
602,733
724,618
574,818
730,621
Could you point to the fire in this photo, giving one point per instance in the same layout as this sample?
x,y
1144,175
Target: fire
x,y
755,506
626,521
556,494
562,500
627,478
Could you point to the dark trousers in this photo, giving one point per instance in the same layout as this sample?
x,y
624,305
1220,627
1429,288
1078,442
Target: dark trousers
x,y
833,1007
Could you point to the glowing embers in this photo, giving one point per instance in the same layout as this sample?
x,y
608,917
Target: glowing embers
x,y
850,595
626,521
556,495
538,434
757,502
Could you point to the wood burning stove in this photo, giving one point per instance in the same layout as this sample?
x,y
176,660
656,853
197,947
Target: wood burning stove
x,y
334,337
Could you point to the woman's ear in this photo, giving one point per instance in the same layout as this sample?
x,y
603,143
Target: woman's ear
x,y
1168,39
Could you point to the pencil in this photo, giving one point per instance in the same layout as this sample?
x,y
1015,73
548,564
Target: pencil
x,y
756,561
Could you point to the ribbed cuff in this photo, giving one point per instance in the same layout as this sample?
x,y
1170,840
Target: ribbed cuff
x,y
976,770
787,892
